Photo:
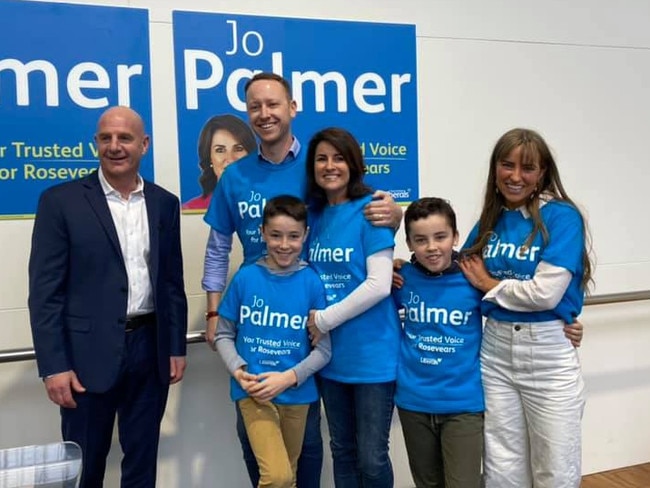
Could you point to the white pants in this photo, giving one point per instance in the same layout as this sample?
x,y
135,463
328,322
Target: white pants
x,y
534,399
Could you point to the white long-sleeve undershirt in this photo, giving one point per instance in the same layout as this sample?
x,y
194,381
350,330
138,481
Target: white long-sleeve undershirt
x,y
371,291
543,292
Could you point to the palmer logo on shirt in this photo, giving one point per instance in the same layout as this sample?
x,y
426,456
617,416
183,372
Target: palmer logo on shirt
x,y
325,254
420,313
261,315
253,207
498,248
417,311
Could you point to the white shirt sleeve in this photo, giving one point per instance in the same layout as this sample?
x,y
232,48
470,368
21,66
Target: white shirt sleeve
x,y
371,291
543,292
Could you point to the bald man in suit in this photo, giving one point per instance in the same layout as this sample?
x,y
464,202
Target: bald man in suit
x,y
107,303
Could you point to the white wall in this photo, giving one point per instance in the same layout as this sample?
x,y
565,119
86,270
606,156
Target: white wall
x,y
577,71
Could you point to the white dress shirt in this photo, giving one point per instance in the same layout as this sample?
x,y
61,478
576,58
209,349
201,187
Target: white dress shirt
x,y
132,225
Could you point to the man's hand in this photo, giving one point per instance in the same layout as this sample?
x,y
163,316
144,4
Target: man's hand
x,y
176,368
213,299
574,333
211,332
271,384
60,386
382,211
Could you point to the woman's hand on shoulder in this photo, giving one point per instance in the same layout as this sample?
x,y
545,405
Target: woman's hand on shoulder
x,y
398,279
476,273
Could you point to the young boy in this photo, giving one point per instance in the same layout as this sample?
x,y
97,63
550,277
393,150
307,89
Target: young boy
x,y
439,394
263,339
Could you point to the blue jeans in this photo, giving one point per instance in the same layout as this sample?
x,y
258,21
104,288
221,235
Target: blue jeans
x,y
310,462
359,417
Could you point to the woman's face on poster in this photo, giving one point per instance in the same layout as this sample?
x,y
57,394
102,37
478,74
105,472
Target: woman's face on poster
x,y
224,149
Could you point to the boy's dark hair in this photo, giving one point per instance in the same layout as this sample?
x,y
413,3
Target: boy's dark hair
x,y
422,208
287,205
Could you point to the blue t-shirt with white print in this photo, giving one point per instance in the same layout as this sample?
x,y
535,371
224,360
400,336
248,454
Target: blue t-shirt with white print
x,y
242,192
439,370
271,313
506,257
365,348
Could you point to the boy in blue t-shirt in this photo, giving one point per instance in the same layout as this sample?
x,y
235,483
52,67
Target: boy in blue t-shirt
x,y
439,395
263,339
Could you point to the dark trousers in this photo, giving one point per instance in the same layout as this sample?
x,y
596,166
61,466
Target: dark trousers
x,y
359,417
444,451
310,462
138,399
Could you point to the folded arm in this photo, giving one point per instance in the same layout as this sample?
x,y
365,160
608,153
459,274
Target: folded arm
x,y
371,291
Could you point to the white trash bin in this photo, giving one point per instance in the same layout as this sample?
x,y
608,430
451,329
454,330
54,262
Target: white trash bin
x,y
55,465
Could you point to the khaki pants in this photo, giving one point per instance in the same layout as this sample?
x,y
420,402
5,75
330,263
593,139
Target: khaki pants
x,y
275,433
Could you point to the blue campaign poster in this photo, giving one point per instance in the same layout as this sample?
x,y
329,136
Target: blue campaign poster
x,y
357,75
61,66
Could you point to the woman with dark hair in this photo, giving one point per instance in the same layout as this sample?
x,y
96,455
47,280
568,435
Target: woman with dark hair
x,y
530,254
355,261
223,140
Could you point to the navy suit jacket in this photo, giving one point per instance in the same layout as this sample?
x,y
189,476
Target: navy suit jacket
x,y
78,284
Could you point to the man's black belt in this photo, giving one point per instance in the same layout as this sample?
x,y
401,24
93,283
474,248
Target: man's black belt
x,y
140,321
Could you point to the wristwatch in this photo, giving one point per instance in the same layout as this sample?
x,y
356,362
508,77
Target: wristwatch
x,y
210,314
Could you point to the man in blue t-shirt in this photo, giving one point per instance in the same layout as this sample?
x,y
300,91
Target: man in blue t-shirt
x,y
237,204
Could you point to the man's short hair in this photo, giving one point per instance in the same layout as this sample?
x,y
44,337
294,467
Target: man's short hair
x,y
272,77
